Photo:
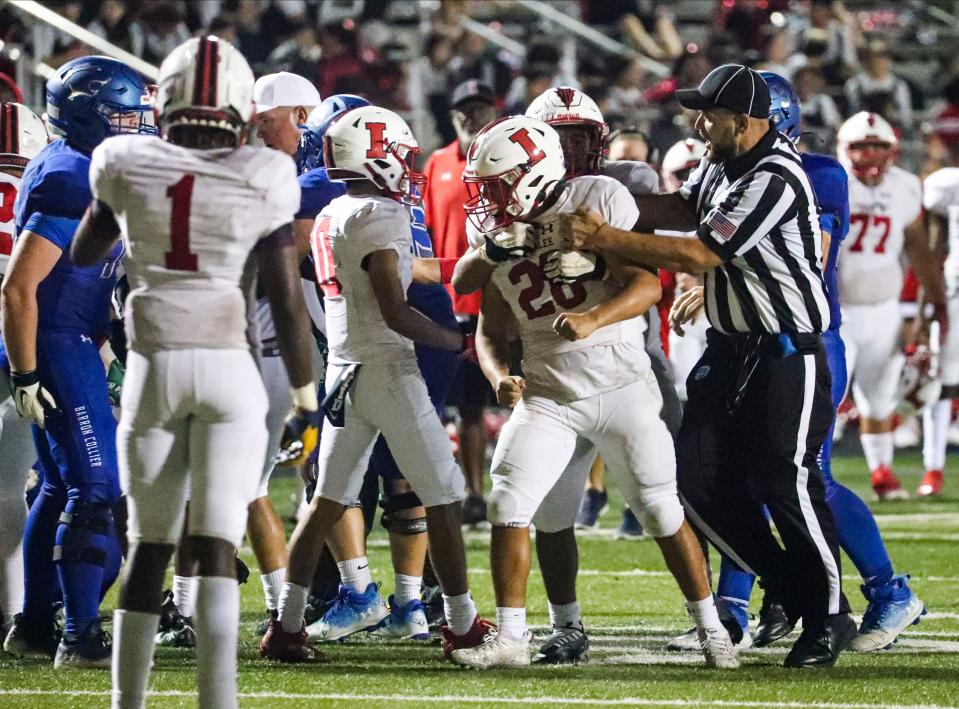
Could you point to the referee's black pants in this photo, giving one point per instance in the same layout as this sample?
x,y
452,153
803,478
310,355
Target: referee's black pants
x,y
751,434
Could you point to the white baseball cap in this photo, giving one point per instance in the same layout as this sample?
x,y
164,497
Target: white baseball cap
x,y
284,89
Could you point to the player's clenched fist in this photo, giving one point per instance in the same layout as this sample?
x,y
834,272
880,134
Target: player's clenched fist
x,y
509,390
578,230
574,326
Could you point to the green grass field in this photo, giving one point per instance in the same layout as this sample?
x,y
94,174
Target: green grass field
x,y
631,606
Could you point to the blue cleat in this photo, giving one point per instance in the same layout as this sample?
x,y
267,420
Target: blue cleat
x,y
892,608
629,528
350,613
404,622
594,503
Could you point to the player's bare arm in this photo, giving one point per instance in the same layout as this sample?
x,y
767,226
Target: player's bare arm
x,y
96,235
302,228
641,290
433,271
665,211
588,230
826,241
32,260
496,329
471,272
927,263
397,314
278,258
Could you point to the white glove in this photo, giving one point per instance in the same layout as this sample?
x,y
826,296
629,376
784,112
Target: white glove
x,y
512,242
574,266
30,398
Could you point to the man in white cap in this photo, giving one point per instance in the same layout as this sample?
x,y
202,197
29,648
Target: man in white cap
x,y
283,101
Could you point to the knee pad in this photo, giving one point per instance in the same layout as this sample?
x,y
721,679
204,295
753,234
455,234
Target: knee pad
x,y
83,533
503,509
392,504
661,517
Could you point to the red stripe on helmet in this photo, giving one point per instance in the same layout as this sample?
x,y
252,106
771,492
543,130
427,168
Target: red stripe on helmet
x,y
204,81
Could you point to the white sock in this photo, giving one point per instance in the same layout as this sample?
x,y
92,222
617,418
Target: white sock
x,y
217,624
460,612
292,605
134,636
564,616
13,517
704,613
935,429
184,594
356,573
511,622
878,448
407,589
272,584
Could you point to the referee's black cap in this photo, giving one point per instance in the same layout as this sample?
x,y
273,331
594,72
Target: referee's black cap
x,y
731,86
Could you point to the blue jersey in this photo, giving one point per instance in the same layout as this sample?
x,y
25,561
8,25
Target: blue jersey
x,y
317,190
831,185
54,194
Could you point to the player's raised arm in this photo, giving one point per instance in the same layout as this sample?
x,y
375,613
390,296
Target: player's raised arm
x,y
397,314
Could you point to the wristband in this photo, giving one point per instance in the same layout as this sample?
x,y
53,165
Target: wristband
x,y
304,397
447,265
485,257
24,379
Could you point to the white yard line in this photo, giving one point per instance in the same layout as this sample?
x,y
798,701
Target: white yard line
x,y
487,700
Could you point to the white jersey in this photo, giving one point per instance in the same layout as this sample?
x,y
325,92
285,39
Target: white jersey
x,y
347,231
941,196
9,186
190,220
638,177
611,357
870,269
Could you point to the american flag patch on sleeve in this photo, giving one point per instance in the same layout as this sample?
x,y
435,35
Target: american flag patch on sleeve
x,y
722,226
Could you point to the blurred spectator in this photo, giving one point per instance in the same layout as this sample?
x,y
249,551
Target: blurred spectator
x,y
541,58
626,93
113,23
536,79
629,143
158,31
819,111
475,59
252,41
748,22
299,54
645,25
224,27
473,106
878,90
339,68
429,86
779,49
828,40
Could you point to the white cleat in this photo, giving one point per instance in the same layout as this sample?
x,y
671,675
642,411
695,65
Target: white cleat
x,y
718,648
689,642
496,651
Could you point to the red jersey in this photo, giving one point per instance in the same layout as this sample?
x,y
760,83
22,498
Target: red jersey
x,y
445,217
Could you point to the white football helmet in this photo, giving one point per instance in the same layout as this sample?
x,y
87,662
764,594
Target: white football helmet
x,y
679,160
205,82
22,135
511,168
563,106
373,143
867,146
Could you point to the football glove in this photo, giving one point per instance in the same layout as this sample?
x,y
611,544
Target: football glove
x,y
115,381
31,399
301,433
574,267
515,241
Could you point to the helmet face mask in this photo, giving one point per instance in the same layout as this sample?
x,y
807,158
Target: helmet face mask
x,y
870,160
492,203
867,147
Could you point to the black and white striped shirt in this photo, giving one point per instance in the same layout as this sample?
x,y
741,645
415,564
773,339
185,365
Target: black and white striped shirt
x,y
758,213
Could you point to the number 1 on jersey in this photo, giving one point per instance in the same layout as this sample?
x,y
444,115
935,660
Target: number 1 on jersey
x,y
179,257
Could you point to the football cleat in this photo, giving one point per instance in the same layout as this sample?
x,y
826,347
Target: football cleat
x,y
629,527
180,634
350,613
733,617
433,606
819,646
277,644
563,646
774,623
886,485
892,608
476,635
32,640
404,622
718,648
931,484
265,623
474,510
496,650
594,503
90,650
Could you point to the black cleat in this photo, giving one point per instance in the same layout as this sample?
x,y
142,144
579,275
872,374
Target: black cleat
x,y
242,571
93,649
173,629
474,510
774,624
265,623
31,639
820,645
563,646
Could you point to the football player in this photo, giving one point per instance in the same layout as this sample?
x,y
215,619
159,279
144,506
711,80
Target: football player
x,y
192,209
941,200
587,384
886,222
892,605
22,136
363,253
54,316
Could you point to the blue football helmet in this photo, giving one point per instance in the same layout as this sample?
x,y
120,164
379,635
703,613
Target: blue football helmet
x,y
309,153
784,111
91,98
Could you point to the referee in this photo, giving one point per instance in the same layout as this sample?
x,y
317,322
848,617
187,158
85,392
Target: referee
x,y
759,399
